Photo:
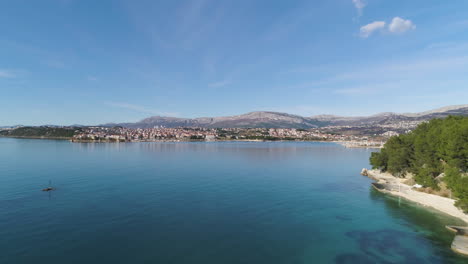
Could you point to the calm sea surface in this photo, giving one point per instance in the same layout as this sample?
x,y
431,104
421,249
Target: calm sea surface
x,y
232,202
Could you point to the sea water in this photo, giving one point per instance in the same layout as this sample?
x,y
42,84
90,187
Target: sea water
x,y
214,202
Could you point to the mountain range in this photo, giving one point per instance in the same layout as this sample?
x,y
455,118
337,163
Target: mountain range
x,y
266,119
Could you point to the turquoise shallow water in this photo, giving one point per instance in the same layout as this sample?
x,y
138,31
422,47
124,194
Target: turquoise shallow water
x,y
232,202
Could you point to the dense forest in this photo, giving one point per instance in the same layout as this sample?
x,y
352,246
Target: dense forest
x,y
40,132
435,147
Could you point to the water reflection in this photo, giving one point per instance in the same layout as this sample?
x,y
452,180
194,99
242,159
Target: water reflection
x,y
248,150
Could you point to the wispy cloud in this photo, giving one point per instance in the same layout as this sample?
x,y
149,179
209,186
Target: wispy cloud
x,y
354,91
209,65
415,68
190,14
375,88
429,70
398,25
7,74
368,29
448,47
189,23
297,17
139,108
219,84
91,78
359,4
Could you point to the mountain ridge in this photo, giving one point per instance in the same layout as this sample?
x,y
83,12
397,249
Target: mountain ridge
x,y
270,119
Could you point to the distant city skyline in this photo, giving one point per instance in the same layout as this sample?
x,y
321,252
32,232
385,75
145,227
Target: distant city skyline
x,y
69,62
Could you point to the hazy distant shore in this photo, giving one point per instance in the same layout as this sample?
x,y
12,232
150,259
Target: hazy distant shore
x,y
158,140
347,144
188,140
36,137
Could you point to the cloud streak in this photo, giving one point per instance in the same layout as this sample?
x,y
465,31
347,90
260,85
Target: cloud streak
x,y
6,74
370,89
431,70
369,29
398,25
219,84
359,4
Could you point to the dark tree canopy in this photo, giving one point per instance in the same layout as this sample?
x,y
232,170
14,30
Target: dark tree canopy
x,y
41,131
435,147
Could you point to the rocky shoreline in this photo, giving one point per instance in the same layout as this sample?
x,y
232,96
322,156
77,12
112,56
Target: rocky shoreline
x,y
387,183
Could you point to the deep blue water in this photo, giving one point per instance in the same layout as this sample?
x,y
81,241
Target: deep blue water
x,y
231,202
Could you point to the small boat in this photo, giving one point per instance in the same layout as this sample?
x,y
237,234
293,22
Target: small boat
x,y
48,189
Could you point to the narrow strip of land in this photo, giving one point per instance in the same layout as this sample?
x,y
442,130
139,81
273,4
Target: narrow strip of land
x,y
387,183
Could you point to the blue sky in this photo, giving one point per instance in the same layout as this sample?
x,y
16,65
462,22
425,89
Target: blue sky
x,y
90,62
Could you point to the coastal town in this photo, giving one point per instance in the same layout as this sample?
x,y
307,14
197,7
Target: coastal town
x,y
351,132
121,134
368,135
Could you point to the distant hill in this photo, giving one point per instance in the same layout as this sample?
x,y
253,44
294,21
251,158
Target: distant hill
x,y
40,132
253,119
391,118
284,120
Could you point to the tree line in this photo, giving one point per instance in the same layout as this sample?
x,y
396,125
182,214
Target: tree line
x,y
434,147
42,131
